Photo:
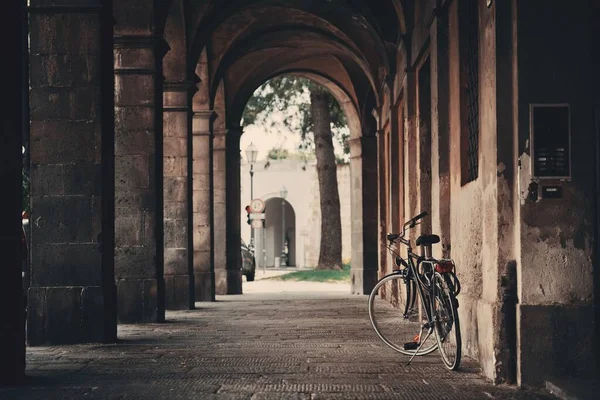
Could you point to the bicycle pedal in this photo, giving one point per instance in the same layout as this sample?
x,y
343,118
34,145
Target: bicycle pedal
x,y
411,345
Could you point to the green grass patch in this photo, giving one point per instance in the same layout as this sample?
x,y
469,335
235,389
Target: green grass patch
x,y
314,275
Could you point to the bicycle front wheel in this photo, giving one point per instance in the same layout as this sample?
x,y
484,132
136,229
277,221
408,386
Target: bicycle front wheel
x,y
446,324
396,316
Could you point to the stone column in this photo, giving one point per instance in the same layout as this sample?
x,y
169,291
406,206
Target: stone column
x,y
71,297
234,206
202,201
411,179
440,134
12,329
423,145
179,274
138,178
228,278
363,171
382,205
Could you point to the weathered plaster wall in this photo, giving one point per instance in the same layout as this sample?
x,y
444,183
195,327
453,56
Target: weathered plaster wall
x,y
440,135
473,205
556,235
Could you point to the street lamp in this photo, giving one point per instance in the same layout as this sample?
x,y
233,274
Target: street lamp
x,y
251,154
283,194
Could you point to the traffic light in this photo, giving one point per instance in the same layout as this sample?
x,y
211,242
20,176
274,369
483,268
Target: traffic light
x,y
248,211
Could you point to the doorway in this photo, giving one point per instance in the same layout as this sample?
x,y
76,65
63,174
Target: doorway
x,y
279,235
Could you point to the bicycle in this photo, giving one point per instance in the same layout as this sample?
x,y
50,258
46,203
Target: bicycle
x,y
395,314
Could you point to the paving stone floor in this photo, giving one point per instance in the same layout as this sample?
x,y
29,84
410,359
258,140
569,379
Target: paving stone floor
x,y
279,344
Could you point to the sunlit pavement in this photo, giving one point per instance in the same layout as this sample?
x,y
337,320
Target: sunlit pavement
x,y
280,340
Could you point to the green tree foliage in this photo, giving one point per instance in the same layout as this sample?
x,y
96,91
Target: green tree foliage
x,y
277,154
290,95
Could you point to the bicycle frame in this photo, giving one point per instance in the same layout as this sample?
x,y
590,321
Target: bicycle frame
x,y
412,273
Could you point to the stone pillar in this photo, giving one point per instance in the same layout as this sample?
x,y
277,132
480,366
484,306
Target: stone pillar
x,y
12,329
71,295
234,206
202,201
411,178
382,205
179,274
440,134
363,171
424,154
138,178
228,278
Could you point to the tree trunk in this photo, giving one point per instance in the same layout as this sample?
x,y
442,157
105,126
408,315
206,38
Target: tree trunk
x,y
330,256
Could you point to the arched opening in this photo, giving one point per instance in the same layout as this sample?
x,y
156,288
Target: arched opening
x,y
313,187
279,236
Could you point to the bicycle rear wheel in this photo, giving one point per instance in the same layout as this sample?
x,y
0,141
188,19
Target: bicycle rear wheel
x,y
446,322
395,315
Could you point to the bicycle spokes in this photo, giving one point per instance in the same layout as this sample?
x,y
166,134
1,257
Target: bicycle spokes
x,y
395,321
445,320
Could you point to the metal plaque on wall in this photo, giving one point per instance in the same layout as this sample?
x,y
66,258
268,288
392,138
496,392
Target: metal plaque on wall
x,y
550,140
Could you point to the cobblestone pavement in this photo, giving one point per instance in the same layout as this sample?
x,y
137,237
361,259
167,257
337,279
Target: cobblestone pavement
x,y
290,343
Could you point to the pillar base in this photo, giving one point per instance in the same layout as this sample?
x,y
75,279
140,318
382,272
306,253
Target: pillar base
x,y
138,301
66,315
177,293
363,280
12,332
228,282
204,291
554,340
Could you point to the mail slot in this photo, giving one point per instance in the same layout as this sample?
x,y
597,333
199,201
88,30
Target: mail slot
x,y
552,192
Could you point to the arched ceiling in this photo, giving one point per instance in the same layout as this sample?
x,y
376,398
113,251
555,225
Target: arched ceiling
x,y
343,42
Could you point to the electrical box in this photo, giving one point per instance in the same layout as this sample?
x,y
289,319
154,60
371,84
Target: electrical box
x,y
550,141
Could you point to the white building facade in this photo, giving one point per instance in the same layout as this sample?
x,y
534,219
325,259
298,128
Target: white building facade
x,y
299,215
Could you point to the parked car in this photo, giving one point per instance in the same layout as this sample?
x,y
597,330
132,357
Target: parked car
x,y
248,262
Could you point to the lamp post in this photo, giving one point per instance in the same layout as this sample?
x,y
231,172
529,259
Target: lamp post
x,y
283,194
251,154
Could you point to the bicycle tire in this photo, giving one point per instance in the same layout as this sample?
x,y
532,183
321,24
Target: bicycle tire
x,y
446,322
396,320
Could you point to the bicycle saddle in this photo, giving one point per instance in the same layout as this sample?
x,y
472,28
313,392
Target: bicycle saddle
x,y
427,239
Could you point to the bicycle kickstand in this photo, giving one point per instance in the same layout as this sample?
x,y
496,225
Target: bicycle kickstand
x,y
421,345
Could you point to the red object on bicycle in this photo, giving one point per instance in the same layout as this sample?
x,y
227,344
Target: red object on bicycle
x,y
444,266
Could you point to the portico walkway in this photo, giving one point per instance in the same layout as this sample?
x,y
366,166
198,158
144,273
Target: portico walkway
x,y
299,344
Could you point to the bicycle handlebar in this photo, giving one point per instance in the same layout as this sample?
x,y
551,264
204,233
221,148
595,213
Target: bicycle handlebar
x,y
420,216
411,223
392,236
